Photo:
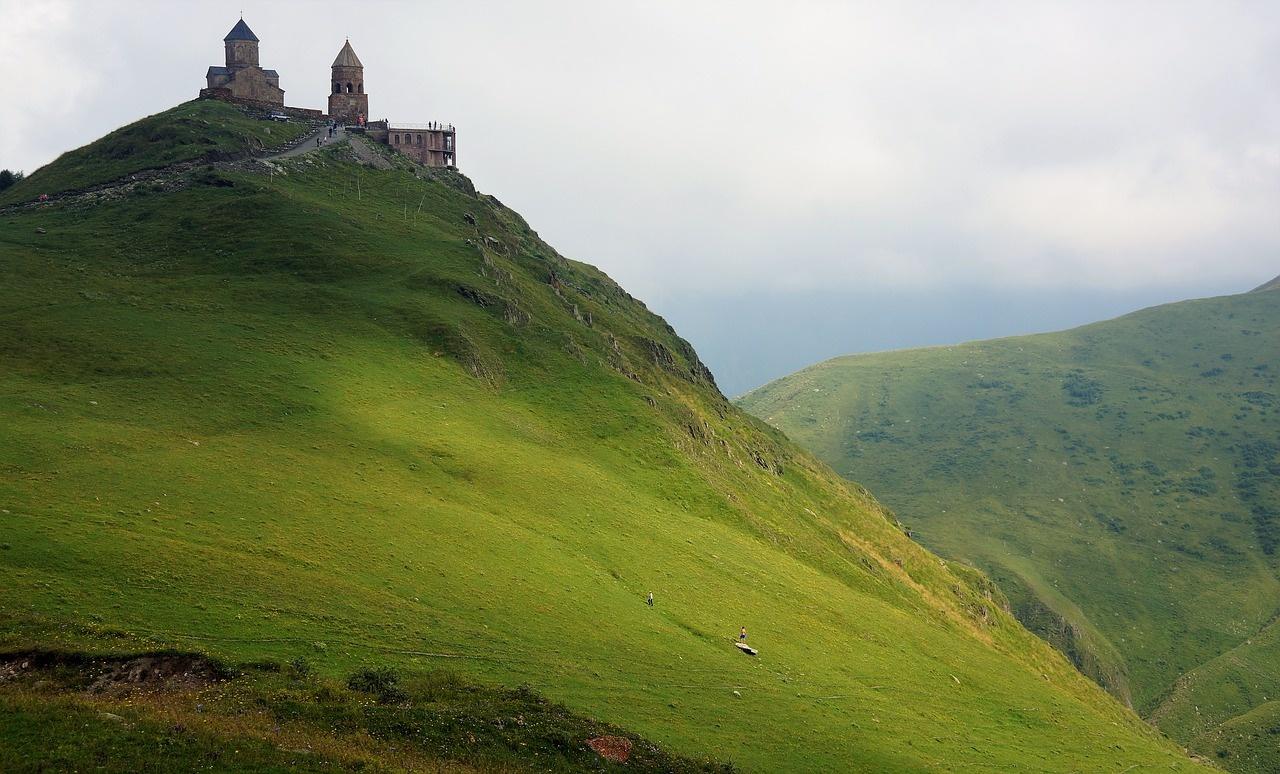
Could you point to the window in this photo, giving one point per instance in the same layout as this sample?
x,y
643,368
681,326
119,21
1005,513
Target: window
x,y
348,88
397,138
419,139
337,88
360,88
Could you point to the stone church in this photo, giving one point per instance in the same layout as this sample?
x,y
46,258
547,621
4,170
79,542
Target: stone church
x,y
242,80
242,77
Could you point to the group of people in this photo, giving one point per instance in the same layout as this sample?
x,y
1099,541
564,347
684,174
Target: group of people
x,y
333,128
742,633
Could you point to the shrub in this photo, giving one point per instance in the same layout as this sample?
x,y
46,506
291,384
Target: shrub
x,y
382,682
1081,390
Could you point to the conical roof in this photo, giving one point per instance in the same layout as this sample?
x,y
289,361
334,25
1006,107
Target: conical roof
x,y
347,57
241,32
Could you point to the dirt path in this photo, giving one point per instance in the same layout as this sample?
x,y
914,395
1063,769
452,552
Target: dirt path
x,y
309,144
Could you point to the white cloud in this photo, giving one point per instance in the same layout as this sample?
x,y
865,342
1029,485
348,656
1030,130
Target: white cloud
x,y
734,145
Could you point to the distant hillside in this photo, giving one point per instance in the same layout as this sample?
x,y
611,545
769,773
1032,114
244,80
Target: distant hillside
x,y
342,415
1120,481
1272,285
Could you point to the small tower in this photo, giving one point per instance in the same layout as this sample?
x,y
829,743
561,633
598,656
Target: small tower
x,y
347,100
242,47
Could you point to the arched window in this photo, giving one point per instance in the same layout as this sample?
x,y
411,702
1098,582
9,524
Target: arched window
x,y
360,88
337,87
419,139
397,138
348,88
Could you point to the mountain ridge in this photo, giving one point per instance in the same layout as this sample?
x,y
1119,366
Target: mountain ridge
x,y
1272,285
1116,480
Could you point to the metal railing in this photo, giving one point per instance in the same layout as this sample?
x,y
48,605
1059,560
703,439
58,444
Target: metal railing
x,y
431,127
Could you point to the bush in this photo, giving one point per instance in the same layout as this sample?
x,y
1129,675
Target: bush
x,y
382,682
8,178
1081,390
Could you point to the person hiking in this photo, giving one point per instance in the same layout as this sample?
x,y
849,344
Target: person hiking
x,y
742,635
649,600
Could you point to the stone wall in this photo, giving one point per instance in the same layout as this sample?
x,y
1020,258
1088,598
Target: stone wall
x,y
253,83
224,94
241,53
345,107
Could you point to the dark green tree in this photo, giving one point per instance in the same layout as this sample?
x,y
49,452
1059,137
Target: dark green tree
x,y
8,178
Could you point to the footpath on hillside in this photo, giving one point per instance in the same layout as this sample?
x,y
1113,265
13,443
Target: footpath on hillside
x,y
309,144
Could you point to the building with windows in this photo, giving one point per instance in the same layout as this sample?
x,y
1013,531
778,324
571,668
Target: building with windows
x,y
432,144
242,78
347,101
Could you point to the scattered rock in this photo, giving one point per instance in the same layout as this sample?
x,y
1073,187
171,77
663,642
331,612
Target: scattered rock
x,y
156,670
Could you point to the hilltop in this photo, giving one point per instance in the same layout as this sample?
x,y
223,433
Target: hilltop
x,y
1120,482
339,414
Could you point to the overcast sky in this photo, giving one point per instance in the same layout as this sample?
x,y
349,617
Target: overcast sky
x,y
706,153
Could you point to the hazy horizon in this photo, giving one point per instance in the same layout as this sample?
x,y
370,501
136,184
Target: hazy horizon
x,y
750,340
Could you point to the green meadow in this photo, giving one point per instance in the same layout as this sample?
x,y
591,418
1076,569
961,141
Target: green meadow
x,y
365,418
1120,482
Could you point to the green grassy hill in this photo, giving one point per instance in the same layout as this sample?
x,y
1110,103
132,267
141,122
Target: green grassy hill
x,y
192,132
1120,481
364,418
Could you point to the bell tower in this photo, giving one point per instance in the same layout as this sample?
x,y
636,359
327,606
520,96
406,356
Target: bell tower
x,y
347,100
242,47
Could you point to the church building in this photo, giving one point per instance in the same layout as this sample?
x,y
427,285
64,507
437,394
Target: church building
x,y
432,144
242,77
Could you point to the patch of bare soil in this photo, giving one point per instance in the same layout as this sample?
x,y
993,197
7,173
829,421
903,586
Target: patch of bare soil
x,y
111,674
611,748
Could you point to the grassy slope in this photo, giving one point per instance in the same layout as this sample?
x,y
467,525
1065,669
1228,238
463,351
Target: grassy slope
x,y
273,419
191,131
1120,481
1246,743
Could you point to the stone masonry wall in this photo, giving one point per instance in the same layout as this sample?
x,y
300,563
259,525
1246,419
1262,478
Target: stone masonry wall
x,y
345,107
252,83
